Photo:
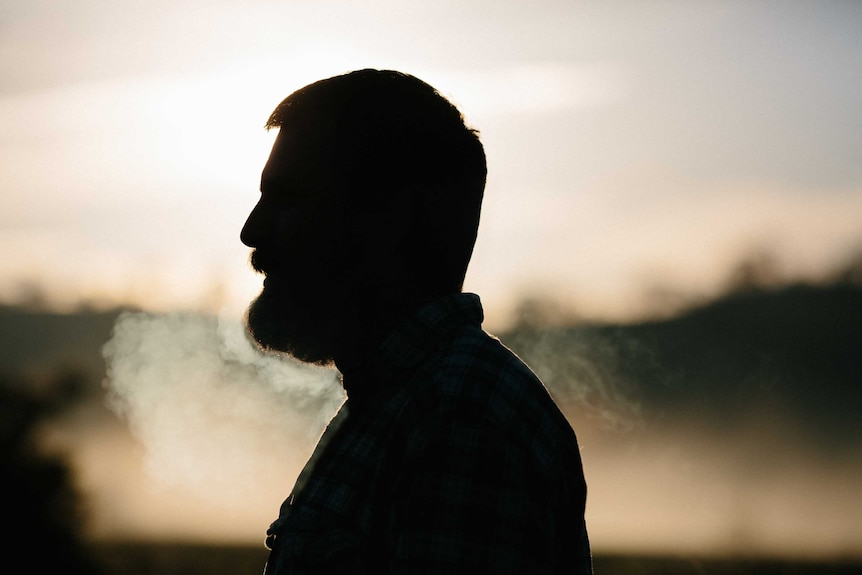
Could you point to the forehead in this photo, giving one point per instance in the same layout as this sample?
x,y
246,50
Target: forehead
x,y
302,153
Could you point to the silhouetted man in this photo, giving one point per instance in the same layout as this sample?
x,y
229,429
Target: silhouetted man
x,y
448,456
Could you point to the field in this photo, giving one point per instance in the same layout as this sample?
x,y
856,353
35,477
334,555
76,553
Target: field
x,y
163,559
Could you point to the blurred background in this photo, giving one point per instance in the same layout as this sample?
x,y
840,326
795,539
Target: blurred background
x,y
671,238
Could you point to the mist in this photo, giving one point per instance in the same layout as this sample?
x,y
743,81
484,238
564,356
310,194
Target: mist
x,y
214,414
731,428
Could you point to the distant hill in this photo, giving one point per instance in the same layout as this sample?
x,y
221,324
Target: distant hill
x,y
38,344
796,351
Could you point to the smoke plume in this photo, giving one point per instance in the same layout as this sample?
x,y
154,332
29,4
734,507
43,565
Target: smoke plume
x,y
214,413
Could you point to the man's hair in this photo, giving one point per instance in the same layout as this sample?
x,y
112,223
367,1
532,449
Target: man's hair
x,y
392,133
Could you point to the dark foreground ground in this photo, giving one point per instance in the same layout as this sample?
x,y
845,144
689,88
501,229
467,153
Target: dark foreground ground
x,y
147,559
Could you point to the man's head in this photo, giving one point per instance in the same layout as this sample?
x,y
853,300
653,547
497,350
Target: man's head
x,y
369,206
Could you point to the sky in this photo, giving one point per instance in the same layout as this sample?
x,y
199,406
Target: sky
x,y
634,148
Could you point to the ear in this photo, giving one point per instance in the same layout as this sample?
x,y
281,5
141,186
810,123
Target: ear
x,y
392,221
382,234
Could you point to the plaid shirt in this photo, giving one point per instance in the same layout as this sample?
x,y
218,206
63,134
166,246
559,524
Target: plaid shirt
x,y
448,456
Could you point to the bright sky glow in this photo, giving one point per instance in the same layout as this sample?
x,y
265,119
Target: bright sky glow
x,y
629,144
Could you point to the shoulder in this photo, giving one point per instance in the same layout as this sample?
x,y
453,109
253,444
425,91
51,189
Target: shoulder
x,y
475,382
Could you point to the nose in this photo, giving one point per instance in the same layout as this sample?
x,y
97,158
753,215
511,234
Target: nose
x,y
254,227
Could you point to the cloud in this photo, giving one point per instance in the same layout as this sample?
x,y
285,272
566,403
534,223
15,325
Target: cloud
x,y
532,88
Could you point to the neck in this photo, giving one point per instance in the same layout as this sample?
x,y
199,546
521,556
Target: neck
x,y
369,323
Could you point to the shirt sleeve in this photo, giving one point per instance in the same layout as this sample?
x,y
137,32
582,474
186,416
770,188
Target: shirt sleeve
x,y
469,499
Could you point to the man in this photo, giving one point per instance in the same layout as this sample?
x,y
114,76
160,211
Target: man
x,y
448,456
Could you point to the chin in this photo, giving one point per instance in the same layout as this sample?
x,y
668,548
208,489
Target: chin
x,y
277,325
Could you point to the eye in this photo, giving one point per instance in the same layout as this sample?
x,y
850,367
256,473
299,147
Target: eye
x,y
277,199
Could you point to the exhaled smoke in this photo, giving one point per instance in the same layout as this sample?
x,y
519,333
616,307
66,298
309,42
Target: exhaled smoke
x,y
584,369
213,412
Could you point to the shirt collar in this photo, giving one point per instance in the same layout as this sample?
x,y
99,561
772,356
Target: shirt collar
x,y
411,343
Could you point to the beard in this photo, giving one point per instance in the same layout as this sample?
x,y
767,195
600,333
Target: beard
x,y
302,327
